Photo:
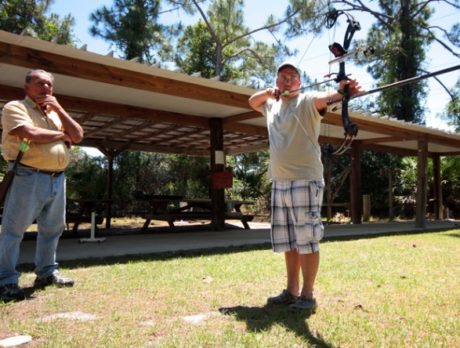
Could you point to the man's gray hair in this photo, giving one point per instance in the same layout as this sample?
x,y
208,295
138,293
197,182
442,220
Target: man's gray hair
x,y
31,73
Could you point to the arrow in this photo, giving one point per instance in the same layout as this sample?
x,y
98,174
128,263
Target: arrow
x,y
407,81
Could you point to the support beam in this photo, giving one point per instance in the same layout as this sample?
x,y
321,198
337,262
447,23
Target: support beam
x,y
217,165
421,200
355,187
110,154
47,58
437,188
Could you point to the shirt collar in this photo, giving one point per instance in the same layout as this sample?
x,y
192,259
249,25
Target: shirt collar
x,y
30,102
33,105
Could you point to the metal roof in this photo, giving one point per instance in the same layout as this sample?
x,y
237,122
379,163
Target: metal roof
x,y
127,105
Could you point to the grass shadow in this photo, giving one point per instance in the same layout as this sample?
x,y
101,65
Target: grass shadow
x,y
455,234
353,237
262,318
85,232
157,256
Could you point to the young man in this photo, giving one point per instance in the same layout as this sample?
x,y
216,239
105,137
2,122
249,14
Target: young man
x,y
38,189
293,122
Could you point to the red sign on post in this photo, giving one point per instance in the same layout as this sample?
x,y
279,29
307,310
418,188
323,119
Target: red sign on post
x,y
221,180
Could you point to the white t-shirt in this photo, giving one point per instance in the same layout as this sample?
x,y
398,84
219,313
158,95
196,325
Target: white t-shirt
x,y
293,130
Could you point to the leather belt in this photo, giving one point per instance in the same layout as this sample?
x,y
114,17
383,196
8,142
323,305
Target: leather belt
x,y
47,172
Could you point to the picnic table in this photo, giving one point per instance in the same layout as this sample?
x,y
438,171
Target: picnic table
x,y
175,208
79,211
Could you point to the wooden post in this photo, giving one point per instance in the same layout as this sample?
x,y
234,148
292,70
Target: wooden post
x,y
217,165
110,157
391,212
421,199
366,208
391,173
355,194
110,154
437,188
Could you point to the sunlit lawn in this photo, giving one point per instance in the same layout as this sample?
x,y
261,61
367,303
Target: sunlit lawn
x,y
394,291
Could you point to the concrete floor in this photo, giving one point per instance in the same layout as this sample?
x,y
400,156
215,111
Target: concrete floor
x,y
192,238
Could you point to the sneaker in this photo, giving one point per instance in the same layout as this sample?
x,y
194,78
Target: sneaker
x,y
11,292
304,304
53,279
284,298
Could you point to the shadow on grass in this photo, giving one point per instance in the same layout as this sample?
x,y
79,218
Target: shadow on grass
x,y
262,318
157,256
455,234
85,232
169,255
338,238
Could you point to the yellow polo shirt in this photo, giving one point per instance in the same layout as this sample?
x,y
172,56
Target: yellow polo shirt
x,y
52,156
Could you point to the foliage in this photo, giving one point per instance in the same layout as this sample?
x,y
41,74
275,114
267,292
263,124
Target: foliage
x,y
400,46
375,177
401,35
29,17
195,51
450,169
336,172
453,108
3,167
133,27
250,171
190,175
221,45
86,176
162,174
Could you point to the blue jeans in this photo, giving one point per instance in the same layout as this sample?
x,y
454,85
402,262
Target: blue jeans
x,y
32,197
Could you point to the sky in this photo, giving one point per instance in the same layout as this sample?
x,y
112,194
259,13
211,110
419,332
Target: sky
x,y
313,54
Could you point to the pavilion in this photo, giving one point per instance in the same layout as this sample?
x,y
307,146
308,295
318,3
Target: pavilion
x,y
124,105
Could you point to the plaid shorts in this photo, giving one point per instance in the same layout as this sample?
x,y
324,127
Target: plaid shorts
x,y
296,215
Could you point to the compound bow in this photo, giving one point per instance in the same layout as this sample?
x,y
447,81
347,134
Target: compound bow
x,y
339,51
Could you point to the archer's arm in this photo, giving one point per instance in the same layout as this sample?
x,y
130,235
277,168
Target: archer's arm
x,y
323,101
258,99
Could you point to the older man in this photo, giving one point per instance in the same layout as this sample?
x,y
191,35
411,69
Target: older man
x,y
38,189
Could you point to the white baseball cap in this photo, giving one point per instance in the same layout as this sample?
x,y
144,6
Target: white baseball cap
x,y
290,64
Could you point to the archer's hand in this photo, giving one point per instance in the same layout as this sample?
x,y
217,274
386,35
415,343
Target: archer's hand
x,y
273,93
353,87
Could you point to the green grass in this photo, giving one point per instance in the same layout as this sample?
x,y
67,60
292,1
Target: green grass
x,y
392,291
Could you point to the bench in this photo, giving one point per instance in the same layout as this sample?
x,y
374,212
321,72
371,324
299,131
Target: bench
x,y
244,218
76,219
170,217
79,211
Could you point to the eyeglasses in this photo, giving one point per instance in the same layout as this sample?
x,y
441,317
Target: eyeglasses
x,y
288,78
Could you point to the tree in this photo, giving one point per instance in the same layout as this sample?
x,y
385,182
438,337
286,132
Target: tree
x,y
29,17
401,36
450,167
132,26
453,108
402,48
231,53
86,176
250,175
219,44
